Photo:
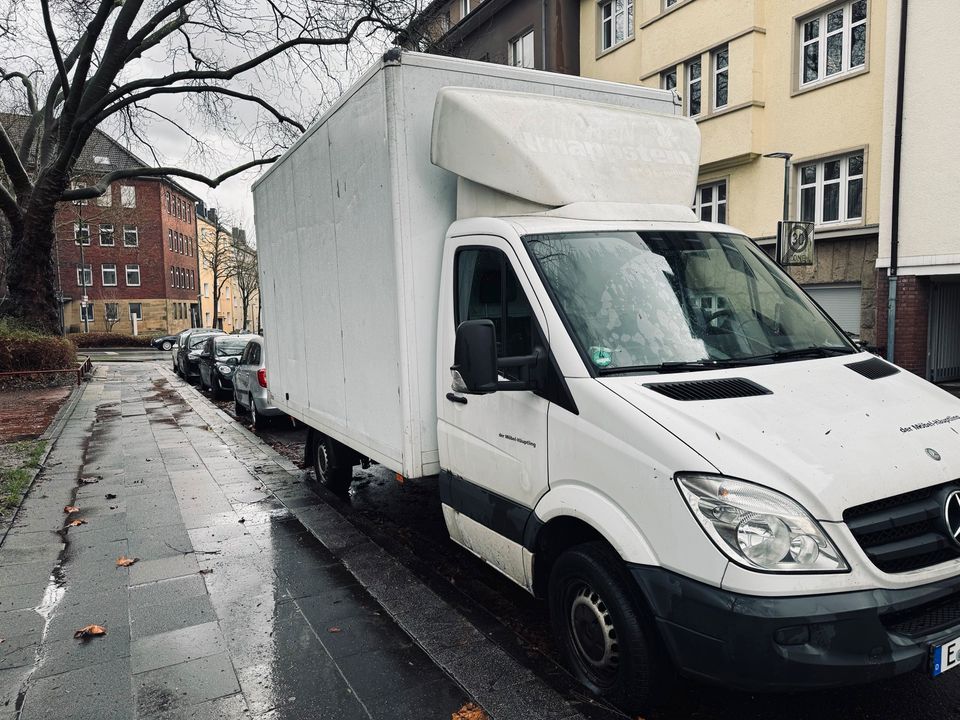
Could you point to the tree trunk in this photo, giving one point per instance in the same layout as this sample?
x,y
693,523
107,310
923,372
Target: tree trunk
x,y
31,273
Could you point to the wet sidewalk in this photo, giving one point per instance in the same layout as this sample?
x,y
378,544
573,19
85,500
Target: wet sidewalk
x,y
232,609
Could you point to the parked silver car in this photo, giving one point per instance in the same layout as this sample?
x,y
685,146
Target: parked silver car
x,y
250,393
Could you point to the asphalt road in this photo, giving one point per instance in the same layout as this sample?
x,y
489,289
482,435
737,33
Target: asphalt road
x,y
406,520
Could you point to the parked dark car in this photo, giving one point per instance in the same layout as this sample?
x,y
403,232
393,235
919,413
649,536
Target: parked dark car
x,y
219,358
164,342
250,393
187,352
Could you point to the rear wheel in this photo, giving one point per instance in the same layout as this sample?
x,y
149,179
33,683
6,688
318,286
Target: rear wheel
x,y
331,464
166,345
604,632
238,407
217,387
257,421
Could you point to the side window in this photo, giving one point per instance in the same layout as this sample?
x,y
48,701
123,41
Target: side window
x,y
488,289
255,354
245,356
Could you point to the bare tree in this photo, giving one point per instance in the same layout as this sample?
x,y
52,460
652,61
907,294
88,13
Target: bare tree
x,y
216,248
99,62
246,275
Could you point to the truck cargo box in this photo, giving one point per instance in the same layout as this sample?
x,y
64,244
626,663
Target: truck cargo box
x,y
350,225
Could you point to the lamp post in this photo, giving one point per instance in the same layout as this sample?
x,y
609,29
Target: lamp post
x,y
786,195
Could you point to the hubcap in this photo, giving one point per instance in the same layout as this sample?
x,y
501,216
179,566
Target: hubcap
x,y
594,635
322,461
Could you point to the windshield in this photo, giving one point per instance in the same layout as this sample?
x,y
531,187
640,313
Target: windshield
x,y
638,300
230,346
198,340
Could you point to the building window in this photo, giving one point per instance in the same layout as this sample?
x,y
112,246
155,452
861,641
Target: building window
x,y
106,235
86,312
710,204
128,196
111,311
85,276
130,236
168,203
694,87
136,310
669,3
109,275
106,200
176,311
668,79
173,277
616,22
206,289
521,51
464,8
831,190
834,42
721,75
133,275
81,233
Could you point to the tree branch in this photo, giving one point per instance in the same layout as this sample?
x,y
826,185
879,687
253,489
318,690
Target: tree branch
x,y
184,89
27,85
9,207
11,163
55,48
100,188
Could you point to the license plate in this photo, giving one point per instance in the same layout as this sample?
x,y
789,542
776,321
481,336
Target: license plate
x,y
945,657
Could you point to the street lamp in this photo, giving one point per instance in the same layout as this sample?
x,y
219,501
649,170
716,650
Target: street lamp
x,y
786,193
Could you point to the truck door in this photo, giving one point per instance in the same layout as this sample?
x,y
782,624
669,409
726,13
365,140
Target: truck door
x,y
494,446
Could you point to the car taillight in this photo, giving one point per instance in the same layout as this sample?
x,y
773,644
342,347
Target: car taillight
x,y
262,377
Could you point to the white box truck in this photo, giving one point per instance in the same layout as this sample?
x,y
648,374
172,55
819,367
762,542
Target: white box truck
x,y
494,275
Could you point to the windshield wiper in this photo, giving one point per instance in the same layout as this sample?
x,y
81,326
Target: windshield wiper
x,y
816,351
669,367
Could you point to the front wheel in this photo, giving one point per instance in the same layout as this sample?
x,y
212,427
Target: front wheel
x,y
332,472
166,345
257,421
604,633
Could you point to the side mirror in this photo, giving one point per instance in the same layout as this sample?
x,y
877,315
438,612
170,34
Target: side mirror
x,y
475,358
233,361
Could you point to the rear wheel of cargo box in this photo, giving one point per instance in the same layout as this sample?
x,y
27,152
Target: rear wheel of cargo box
x,y
603,629
331,463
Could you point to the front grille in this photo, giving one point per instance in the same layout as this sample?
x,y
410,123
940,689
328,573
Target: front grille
x,y
719,389
904,532
925,619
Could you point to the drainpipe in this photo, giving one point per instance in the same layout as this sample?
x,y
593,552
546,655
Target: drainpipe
x,y
895,211
543,35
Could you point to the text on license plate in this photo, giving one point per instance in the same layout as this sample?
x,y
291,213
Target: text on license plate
x,y
946,657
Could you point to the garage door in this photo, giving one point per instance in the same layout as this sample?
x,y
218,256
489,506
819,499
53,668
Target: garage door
x,y
841,302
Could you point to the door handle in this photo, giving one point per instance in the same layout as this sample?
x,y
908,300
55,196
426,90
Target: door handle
x,y
456,398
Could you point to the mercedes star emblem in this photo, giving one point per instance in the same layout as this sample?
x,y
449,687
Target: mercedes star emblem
x,y
951,515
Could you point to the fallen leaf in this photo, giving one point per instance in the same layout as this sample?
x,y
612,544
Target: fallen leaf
x,y
333,629
110,496
77,523
124,561
205,571
1,641
71,509
89,481
470,711
113,507
89,631
242,520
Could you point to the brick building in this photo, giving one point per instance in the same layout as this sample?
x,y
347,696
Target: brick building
x,y
138,243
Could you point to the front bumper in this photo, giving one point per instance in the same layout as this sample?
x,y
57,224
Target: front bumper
x,y
787,643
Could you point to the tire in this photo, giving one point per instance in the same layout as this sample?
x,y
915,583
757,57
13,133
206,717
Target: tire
x,y
257,422
330,473
166,345
217,388
604,631
238,408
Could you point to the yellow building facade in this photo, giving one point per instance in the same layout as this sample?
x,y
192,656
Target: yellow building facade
x,y
767,76
229,314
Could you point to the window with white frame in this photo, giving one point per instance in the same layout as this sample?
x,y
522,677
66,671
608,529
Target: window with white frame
x,y
81,233
833,42
464,8
85,276
128,196
721,76
710,203
75,185
669,3
616,22
520,51
86,312
111,311
108,273
106,234
106,200
136,309
133,275
131,236
694,87
668,79
831,190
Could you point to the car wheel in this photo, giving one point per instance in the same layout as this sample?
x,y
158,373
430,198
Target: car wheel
x,y
257,421
604,631
217,387
238,408
166,345
330,473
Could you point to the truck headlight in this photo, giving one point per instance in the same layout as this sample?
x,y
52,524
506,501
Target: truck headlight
x,y
759,527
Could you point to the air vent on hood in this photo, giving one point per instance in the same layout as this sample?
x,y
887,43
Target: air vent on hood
x,y
874,368
720,389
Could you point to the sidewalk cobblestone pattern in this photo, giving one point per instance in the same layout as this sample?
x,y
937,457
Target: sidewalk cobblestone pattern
x,y
233,609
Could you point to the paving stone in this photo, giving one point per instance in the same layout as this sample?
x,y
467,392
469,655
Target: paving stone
x,y
100,691
152,619
231,706
186,684
146,571
177,646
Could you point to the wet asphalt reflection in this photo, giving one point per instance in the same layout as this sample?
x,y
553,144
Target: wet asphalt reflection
x,y
405,519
